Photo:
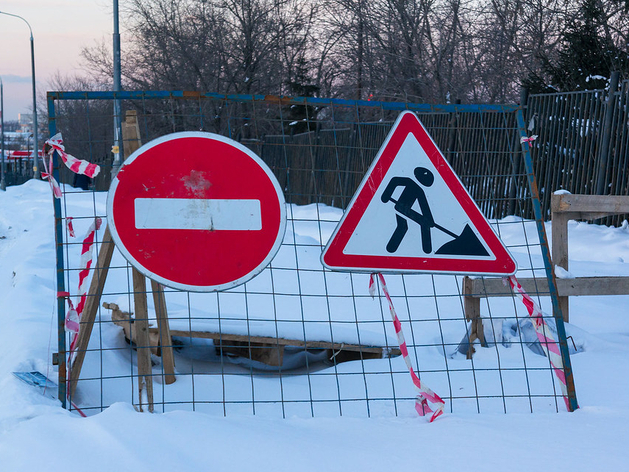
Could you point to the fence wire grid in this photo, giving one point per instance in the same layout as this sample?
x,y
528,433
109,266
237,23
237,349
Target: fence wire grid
x,y
299,340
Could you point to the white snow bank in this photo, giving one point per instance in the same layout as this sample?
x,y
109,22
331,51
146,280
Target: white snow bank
x,y
36,434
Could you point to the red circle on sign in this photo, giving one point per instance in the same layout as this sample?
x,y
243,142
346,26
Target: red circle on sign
x,y
196,211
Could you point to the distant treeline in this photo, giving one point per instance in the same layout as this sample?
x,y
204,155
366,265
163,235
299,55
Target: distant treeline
x,y
428,51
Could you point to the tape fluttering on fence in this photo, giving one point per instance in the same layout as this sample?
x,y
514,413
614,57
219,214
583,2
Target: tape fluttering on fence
x,y
70,226
47,175
426,401
73,317
544,335
78,166
529,140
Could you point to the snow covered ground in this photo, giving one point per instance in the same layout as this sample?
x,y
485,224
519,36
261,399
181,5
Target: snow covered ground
x,y
35,433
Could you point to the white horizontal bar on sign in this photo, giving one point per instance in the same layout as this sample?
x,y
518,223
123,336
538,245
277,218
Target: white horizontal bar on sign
x,y
198,213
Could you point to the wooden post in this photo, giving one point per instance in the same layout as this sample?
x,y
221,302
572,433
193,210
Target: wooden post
x,y
564,207
165,339
578,207
131,133
91,307
132,142
471,306
145,372
559,257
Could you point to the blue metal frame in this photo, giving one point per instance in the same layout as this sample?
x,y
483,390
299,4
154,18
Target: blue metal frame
x,y
280,100
61,341
420,108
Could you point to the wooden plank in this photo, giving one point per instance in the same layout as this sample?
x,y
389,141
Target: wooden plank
x,y
127,323
91,307
145,377
586,215
165,339
131,141
267,350
607,204
579,286
269,354
385,352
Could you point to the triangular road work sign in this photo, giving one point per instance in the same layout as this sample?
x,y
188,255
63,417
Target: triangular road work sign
x,y
411,213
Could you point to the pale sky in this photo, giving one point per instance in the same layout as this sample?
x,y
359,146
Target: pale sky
x,y
61,28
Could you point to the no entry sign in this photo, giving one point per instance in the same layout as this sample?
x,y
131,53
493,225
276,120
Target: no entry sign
x,y
196,211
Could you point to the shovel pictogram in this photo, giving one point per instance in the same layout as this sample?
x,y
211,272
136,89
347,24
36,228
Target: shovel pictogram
x,y
465,244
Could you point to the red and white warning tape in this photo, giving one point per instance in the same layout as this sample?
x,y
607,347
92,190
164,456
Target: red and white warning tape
x,y
426,401
47,174
86,261
544,335
530,140
73,317
70,227
78,166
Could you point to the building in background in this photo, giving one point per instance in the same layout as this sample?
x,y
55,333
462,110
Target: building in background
x,y
25,121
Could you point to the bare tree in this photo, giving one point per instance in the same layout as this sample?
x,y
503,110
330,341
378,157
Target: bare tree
x,y
416,50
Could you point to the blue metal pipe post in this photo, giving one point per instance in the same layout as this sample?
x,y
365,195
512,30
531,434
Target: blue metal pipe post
x,y
548,265
61,304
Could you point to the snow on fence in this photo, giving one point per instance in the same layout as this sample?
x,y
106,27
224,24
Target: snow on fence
x,y
299,340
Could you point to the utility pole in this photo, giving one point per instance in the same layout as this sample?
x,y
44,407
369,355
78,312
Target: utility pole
x,y
117,111
3,183
35,134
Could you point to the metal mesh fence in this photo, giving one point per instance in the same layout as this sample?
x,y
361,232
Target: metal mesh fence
x,y
298,339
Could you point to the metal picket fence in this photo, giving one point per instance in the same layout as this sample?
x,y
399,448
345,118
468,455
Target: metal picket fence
x,y
583,142
298,339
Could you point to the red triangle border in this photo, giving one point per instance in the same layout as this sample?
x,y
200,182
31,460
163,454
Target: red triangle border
x,y
333,256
